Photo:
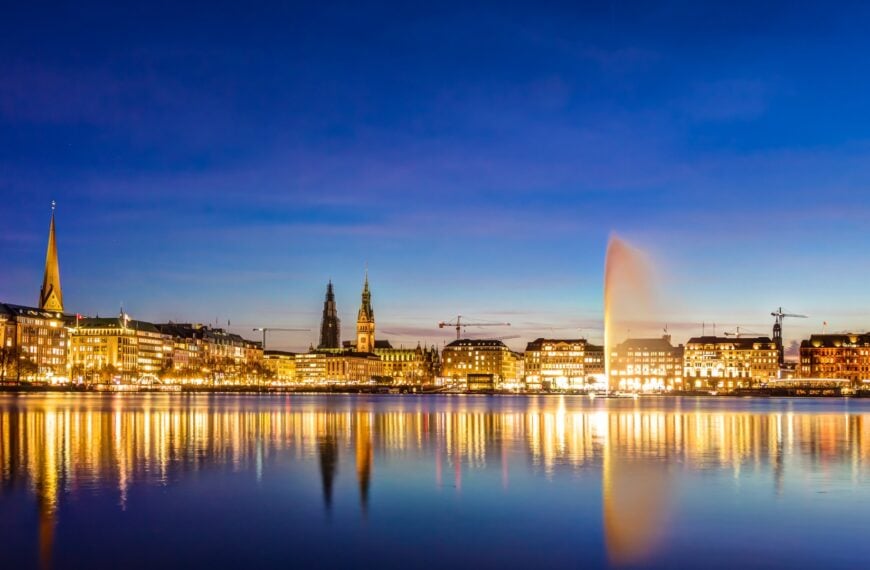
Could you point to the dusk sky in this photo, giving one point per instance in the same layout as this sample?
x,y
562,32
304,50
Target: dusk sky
x,y
224,160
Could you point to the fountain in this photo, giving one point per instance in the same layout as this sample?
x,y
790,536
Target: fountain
x,y
627,294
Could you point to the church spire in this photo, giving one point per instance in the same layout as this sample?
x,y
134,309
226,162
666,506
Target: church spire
x,y
51,296
329,325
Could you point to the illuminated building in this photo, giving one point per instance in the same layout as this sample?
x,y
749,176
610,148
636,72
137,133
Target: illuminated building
x,y
340,367
836,356
311,367
724,363
409,365
365,323
330,325
118,348
558,363
214,343
38,339
282,364
465,357
185,354
647,365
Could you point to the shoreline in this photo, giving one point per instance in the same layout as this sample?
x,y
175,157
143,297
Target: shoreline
x,y
758,393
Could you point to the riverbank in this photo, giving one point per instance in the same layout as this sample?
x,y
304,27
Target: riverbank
x,y
418,390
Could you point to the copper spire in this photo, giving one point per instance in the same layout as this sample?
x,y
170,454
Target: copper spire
x,y
51,296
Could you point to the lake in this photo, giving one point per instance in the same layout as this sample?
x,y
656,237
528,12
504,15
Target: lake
x,y
252,481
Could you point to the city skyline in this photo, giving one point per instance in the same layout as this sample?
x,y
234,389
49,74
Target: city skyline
x,y
228,175
646,323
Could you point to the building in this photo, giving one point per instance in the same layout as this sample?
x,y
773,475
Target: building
x,y
465,357
726,363
557,364
282,364
203,352
330,325
646,365
417,366
338,367
35,343
594,360
365,323
836,356
311,367
353,367
103,350
34,340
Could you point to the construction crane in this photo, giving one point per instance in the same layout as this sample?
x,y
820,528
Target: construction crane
x,y
779,315
460,326
740,334
264,330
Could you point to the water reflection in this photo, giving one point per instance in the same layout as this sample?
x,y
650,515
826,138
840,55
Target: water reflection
x,y
61,447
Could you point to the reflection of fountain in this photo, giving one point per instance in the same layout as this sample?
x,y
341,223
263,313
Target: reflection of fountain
x,y
634,493
627,294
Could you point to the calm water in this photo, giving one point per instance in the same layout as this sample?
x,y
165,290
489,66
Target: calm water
x,y
150,481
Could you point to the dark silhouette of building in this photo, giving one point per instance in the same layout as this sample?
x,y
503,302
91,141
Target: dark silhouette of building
x,y
330,331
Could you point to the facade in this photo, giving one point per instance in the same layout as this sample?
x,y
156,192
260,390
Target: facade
x,y
646,365
338,367
353,367
311,367
726,363
205,353
836,356
282,365
38,340
558,363
109,349
330,325
365,323
418,365
465,357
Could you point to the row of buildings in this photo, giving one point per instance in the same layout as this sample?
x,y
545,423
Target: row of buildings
x,y
46,344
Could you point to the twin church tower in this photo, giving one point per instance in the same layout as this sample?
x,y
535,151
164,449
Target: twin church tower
x,y
330,325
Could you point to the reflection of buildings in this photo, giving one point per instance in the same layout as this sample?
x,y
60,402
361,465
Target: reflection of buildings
x,y
327,452
646,364
56,447
364,456
717,363
842,356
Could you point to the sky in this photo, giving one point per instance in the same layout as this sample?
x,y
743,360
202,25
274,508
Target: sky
x,y
218,162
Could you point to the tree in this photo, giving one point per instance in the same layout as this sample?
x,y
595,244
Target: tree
x,y
108,373
9,356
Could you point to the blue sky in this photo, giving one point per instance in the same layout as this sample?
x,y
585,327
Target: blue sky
x,y
222,161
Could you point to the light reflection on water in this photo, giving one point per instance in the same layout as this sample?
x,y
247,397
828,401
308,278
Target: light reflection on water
x,y
491,481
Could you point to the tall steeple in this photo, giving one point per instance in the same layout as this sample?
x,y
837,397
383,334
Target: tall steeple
x,y
365,322
330,334
51,296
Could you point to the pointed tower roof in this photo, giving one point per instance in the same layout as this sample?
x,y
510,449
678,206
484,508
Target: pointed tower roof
x,y
51,296
365,309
